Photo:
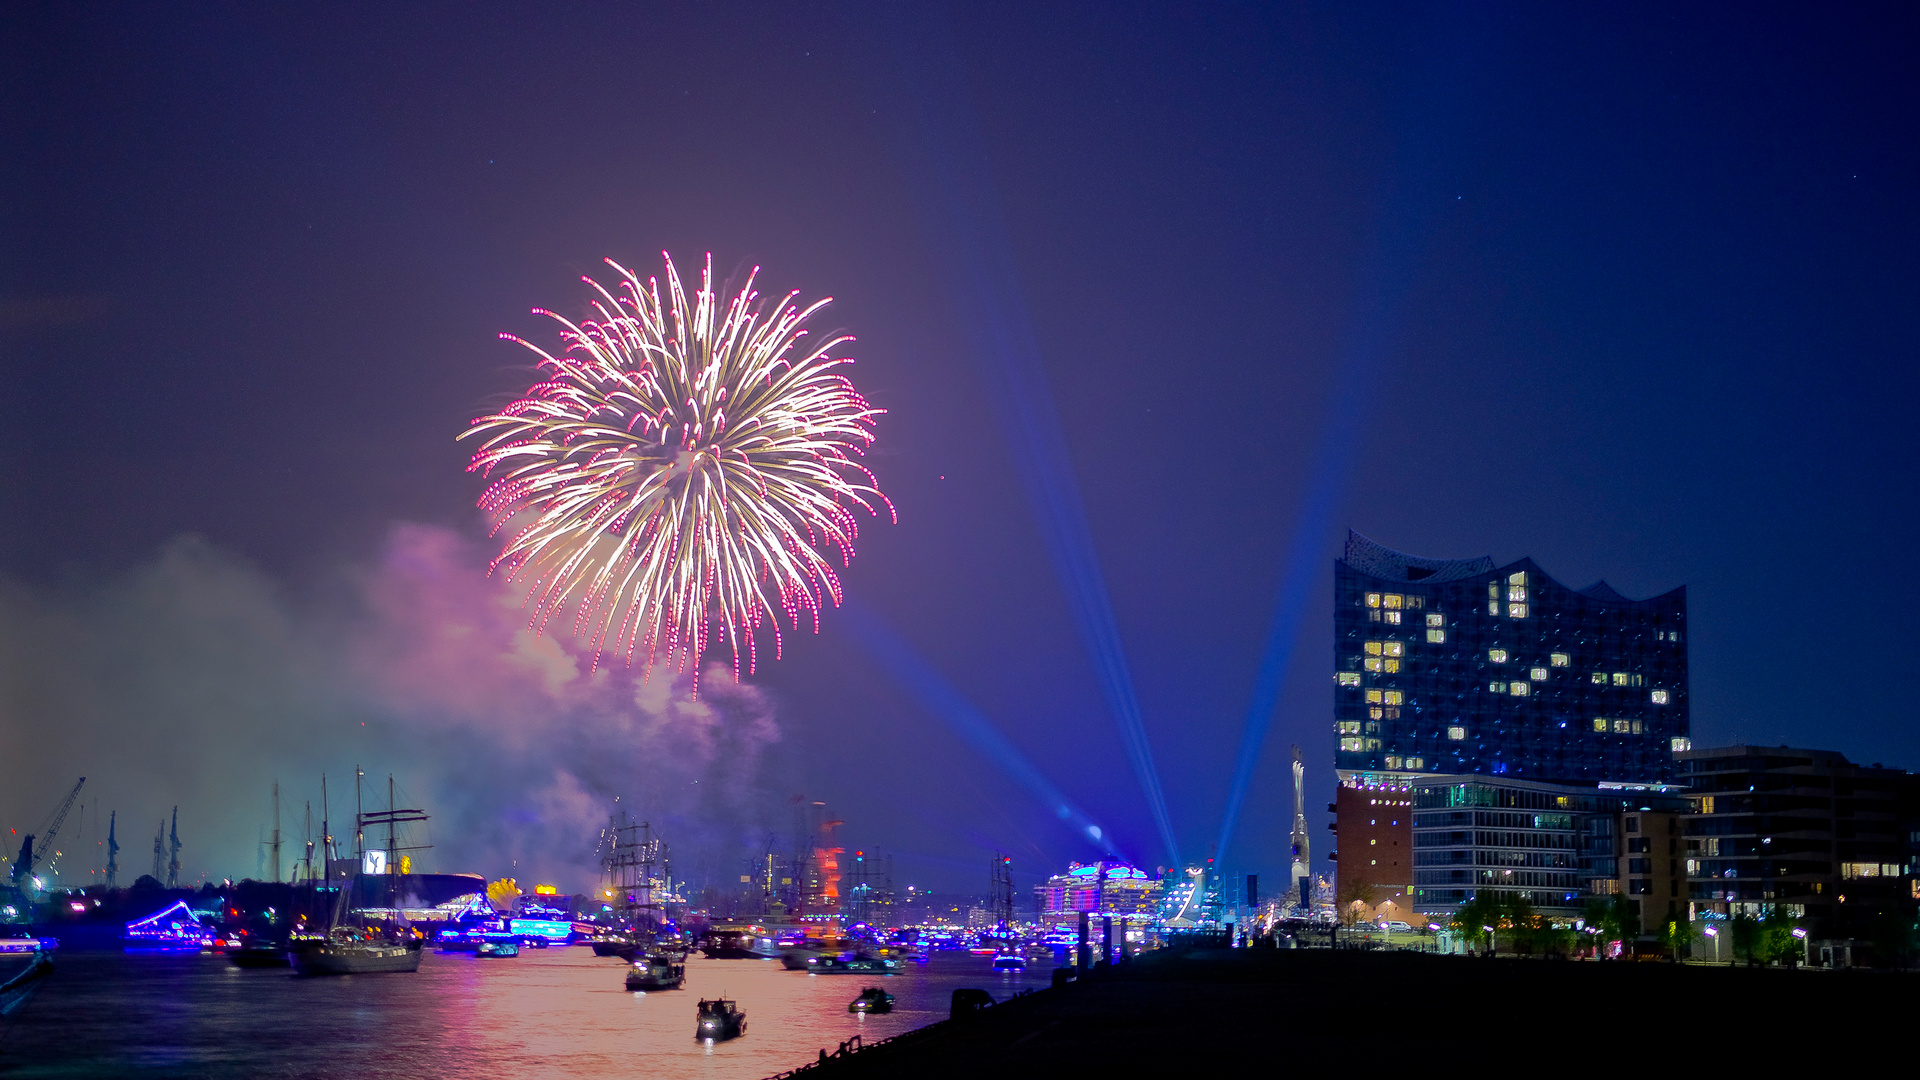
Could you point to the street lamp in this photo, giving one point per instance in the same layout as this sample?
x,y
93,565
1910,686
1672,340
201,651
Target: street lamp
x,y
1714,933
1806,947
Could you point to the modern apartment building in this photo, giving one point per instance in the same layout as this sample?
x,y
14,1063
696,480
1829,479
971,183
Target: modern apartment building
x,y
1450,666
1805,833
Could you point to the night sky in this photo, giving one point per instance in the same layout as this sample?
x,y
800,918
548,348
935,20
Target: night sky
x,y
1630,291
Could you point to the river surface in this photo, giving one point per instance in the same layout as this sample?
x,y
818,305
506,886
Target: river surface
x,y
559,1012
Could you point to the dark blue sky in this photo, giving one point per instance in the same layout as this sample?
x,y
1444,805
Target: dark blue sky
x,y
1631,291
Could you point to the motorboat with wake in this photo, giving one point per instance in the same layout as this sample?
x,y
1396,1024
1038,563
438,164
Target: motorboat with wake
x,y
871,1000
720,1019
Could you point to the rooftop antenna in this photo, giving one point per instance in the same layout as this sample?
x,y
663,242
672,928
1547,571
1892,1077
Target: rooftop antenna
x,y
113,851
160,850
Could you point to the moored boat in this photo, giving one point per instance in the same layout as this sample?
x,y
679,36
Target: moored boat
x,y
20,988
857,964
345,955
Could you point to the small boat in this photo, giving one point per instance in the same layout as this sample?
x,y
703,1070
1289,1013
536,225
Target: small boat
x,y
740,943
871,1000
260,953
534,941
497,950
720,1019
1010,963
613,943
857,964
655,971
15,992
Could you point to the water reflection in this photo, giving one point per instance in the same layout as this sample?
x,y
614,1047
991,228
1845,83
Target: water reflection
x,y
545,1011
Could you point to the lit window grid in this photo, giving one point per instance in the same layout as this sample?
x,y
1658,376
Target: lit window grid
x,y
1514,725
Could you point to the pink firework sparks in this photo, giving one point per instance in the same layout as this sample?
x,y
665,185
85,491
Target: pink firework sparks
x,y
680,472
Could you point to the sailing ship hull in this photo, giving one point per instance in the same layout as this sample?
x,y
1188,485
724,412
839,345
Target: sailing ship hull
x,y
16,991
357,958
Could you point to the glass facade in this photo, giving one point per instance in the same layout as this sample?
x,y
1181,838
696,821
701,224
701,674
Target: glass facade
x,y
1460,666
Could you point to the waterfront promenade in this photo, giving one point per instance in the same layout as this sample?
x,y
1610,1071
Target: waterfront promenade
x,y
1225,1008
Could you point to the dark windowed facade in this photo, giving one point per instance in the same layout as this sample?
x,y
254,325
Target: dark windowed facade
x,y
1460,666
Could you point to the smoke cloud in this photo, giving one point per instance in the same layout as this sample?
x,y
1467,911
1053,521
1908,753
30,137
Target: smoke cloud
x,y
196,680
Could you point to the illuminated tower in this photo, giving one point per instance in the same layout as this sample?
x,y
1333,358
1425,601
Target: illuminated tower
x,y
1301,872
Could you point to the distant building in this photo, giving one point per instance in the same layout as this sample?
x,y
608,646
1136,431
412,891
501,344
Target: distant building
x,y
1805,833
1452,668
1552,844
1373,822
1449,666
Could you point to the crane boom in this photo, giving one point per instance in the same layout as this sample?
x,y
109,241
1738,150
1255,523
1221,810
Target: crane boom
x,y
23,866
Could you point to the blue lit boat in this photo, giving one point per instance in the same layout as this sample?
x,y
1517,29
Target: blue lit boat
x,y
174,928
1010,963
497,950
857,964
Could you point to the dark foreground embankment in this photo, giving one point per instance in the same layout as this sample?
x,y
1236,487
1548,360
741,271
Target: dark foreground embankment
x,y
1284,1009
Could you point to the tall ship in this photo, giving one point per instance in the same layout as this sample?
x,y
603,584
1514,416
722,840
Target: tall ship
x,y
369,940
634,863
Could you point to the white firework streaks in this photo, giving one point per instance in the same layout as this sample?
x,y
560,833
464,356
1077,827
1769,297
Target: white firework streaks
x,y
681,471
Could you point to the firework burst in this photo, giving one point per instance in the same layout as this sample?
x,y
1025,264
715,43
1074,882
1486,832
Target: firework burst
x,y
682,471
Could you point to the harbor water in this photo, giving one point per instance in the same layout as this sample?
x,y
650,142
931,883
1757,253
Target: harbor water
x,y
546,1012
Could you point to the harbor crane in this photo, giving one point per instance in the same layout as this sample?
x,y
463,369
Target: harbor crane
x,y
24,864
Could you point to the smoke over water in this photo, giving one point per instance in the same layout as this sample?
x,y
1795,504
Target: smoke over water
x,y
197,680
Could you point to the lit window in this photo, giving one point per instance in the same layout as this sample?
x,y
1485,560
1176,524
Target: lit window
x,y
1673,635
1416,602
1623,727
1457,734
1392,666
1396,697
1375,713
1416,763
1621,678
1393,762
1373,648
1516,611
1599,723
1659,697
1347,727
1393,600
1393,617
1349,678
1560,659
1372,663
1373,599
1539,674
1681,744
1493,590
1516,593
1519,689
1394,648
1436,637
1517,579
1434,618
1353,745
1859,869
1599,678
1498,656
1498,688
1373,696
1493,607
